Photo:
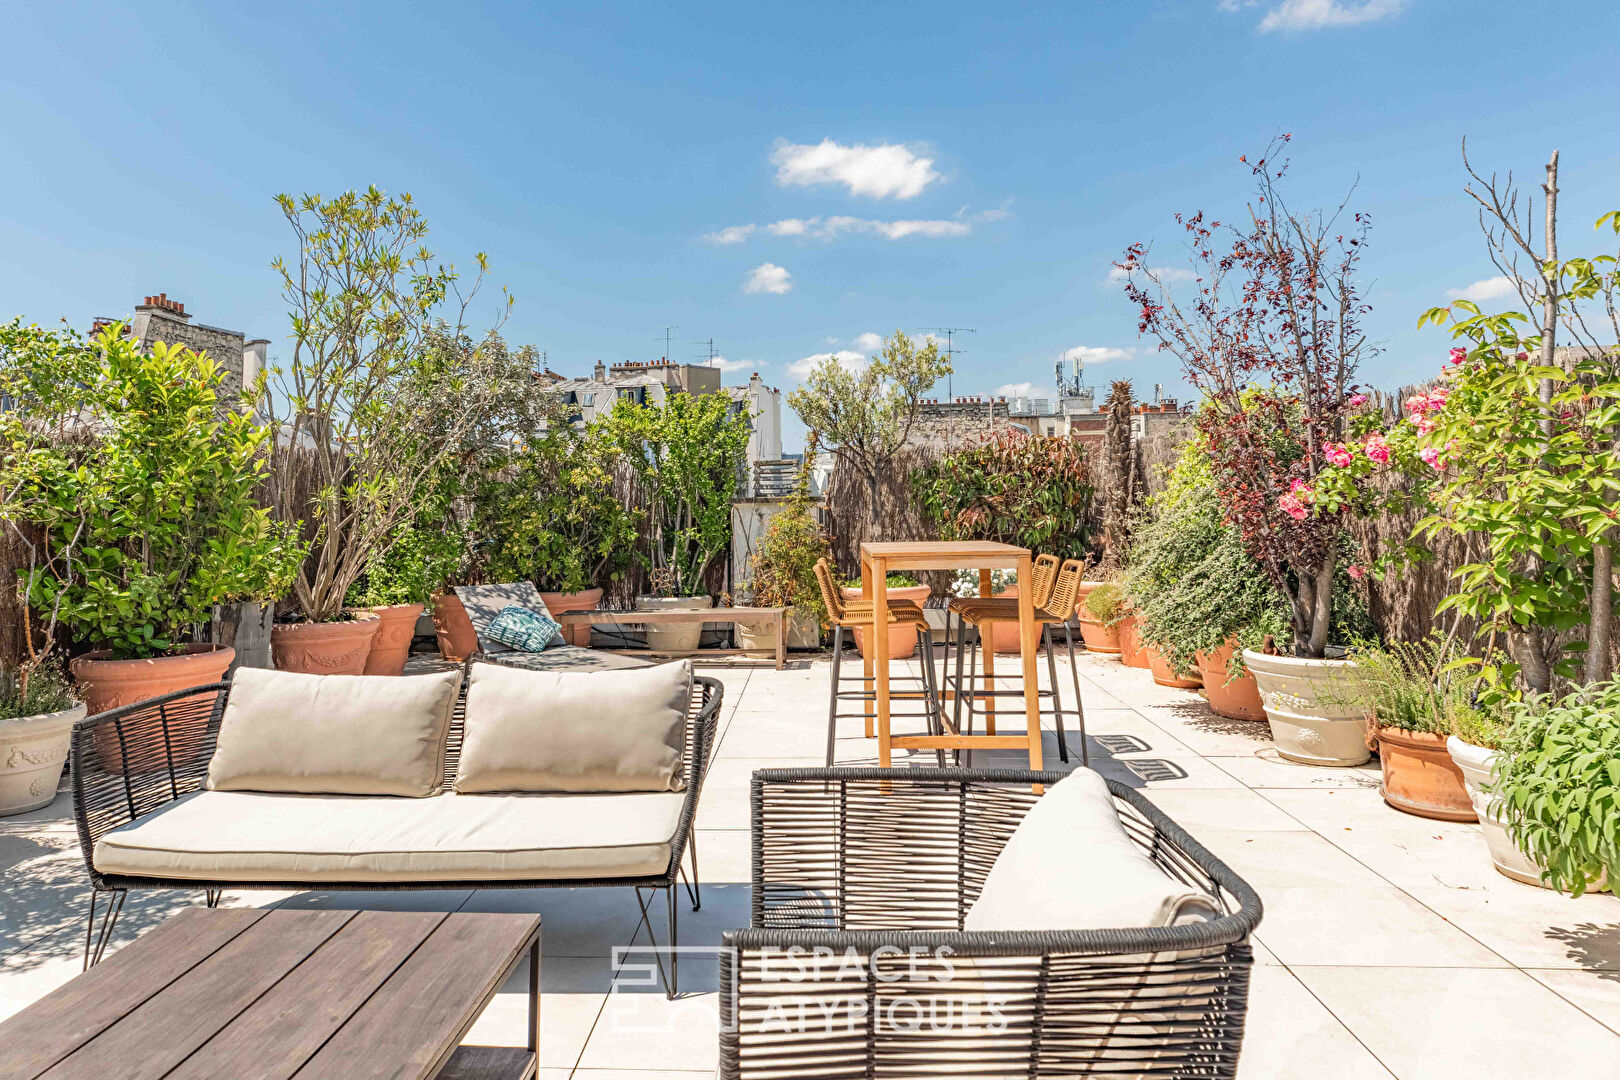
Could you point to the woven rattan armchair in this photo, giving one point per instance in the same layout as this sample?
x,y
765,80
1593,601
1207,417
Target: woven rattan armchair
x,y
132,761
856,965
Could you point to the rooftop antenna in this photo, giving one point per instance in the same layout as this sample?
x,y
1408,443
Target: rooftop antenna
x,y
950,333
668,331
1068,385
711,353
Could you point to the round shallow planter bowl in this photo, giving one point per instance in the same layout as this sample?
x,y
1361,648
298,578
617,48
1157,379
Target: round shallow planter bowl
x,y
105,684
1099,637
803,633
326,648
1475,763
33,750
1131,652
1235,699
902,636
392,645
1165,675
677,637
1302,728
1420,777
457,638
559,603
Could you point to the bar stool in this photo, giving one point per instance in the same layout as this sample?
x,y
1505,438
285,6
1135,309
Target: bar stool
x,y
849,614
1054,595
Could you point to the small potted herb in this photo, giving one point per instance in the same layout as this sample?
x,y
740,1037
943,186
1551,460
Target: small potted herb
x,y
37,713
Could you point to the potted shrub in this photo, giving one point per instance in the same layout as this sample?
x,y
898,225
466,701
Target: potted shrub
x,y
1100,615
1270,334
1413,703
547,511
379,397
783,569
37,713
1475,747
398,585
687,454
1554,785
140,483
902,636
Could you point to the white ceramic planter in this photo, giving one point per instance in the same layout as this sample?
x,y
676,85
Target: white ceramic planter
x,y
33,750
678,637
803,633
1476,764
1302,728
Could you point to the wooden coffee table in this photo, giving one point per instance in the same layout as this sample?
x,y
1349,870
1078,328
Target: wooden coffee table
x,y
255,994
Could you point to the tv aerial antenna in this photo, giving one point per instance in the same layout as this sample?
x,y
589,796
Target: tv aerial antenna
x,y
669,332
951,350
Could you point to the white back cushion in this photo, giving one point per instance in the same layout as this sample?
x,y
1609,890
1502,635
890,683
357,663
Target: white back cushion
x,y
1071,866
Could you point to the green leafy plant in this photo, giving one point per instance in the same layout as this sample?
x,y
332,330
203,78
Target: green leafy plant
x,y
1557,784
417,566
783,564
894,580
146,499
546,511
1107,604
687,454
43,690
1413,686
1028,490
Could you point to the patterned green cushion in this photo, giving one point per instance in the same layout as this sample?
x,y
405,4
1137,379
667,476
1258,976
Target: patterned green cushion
x,y
522,629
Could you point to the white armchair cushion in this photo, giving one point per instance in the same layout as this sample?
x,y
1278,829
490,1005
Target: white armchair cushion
x,y
1071,866
334,734
574,731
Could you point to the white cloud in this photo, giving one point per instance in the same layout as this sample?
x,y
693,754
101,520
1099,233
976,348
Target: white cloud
x,y
1014,390
731,234
1165,274
1299,15
1096,354
802,367
1491,288
869,342
729,366
768,278
884,171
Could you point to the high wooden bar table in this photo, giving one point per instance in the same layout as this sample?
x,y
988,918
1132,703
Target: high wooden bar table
x,y
878,560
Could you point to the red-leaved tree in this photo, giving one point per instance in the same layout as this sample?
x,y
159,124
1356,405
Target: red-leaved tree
x,y
1269,332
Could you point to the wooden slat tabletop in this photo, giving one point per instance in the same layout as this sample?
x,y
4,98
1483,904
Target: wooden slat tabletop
x,y
266,995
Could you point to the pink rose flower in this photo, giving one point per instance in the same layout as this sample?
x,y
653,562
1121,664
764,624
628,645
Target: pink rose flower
x,y
1458,354
1337,454
1425,426
1417,403
1356,572
1524,356
1357,400
1292,507
1377,449
1430,456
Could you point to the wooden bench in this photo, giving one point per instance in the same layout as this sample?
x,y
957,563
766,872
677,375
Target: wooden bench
x,y
733,615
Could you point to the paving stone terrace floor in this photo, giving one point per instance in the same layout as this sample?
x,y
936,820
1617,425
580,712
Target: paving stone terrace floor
x,y
1389,947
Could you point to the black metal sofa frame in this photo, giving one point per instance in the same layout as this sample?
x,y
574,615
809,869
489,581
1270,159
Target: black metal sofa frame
x,y
875,863
131,761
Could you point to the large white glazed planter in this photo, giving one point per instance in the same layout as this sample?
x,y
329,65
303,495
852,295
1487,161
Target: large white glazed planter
x,y
680,637
1304,729
33,750
1476,764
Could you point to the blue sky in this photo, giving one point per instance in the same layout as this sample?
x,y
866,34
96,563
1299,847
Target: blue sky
x,y
600,155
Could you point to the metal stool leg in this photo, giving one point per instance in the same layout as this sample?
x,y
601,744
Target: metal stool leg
x,y
961,643
931,703
1057,699
1079,705
832,705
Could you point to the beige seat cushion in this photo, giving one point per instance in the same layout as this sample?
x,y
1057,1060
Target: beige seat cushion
x,y
334,734
574,731
1070,865
251,836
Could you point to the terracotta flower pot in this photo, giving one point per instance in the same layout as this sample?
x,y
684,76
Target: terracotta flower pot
x,y
457,638
1237,699
1131,652
1420,777
36,749
559,603
392,645
1004,635
107,684
1165,675
328,648
1304,729
1098,637
902,636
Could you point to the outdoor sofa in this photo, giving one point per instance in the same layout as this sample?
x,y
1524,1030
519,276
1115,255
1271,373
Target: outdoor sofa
x,y
862,959
154,811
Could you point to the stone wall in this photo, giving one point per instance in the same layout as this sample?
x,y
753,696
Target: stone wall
x,y
162,319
